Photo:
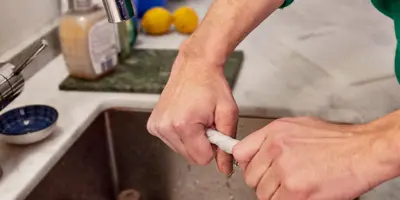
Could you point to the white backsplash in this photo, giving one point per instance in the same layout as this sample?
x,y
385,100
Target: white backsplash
x,y
19,19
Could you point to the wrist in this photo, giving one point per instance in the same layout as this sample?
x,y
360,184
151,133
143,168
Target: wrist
x,y
384,150
392,137
199,56
191,65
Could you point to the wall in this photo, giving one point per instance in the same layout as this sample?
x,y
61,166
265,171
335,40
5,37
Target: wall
x,y
19,19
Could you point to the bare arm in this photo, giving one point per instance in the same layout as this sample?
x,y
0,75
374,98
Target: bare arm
x,y
225,25
307,158
197,95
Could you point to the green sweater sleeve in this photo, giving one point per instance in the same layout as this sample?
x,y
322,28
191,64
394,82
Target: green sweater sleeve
x,y
286,3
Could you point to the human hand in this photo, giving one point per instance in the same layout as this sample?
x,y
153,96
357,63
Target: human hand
x,y
305,158
195,98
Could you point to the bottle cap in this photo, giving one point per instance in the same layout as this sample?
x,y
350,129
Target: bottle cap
x,y
80,5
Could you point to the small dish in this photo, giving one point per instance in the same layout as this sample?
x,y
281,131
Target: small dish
x,y
28,124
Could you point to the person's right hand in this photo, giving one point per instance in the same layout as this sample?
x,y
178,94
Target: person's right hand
x,y
306,158
196,97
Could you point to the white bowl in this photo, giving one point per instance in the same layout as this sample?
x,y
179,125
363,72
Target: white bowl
x,y
28,124
28,138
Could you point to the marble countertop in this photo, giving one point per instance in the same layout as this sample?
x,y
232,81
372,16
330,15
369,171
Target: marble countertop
x,y
334,62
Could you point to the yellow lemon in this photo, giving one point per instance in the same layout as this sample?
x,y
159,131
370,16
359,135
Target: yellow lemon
x,y
185,20
157,21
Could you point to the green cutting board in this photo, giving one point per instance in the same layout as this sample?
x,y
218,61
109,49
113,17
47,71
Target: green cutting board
x,y
145,71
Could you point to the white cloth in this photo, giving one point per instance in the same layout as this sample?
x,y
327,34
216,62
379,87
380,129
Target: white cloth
x,y
225,143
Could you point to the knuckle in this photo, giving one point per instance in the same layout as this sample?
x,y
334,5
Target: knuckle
x,y
181,126
234,110
288,183
151,127
159,127
230,111
275,147
294,186
164,128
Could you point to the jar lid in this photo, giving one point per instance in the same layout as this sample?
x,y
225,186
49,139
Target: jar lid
x,y
80,5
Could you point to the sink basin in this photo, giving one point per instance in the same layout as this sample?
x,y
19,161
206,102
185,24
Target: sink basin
x,y
116,153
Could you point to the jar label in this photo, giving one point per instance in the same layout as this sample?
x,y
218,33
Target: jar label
x,y
103,46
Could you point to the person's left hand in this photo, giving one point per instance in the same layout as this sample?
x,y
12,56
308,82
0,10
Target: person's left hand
x,y
305,158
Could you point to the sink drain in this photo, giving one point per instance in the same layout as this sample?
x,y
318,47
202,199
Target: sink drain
x,y
129,194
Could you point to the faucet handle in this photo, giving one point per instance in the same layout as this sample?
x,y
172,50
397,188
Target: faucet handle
x,y
119,10
33,51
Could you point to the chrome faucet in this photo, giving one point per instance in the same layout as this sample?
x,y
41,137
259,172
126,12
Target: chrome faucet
x,y
11,79
119,10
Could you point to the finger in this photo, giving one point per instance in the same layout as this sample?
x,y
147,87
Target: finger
x,y
226,122
196,144
169,144
176,144
268,185
154,132
258,166
169,136
246,149
224,162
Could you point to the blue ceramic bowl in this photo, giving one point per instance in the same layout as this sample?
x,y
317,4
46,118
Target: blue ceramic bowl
x,y
28,124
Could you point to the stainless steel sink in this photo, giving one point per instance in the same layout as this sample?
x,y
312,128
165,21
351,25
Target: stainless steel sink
x,y
116,153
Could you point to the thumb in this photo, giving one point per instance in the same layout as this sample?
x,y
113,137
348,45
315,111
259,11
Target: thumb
x,y
246,149
226,122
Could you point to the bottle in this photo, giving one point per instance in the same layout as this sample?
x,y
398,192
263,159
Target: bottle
x,y
89,42
128,33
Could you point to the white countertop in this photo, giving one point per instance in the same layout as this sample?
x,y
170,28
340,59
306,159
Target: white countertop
x,y
332,60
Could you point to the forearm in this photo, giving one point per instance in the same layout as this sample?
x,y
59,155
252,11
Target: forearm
x,y
225,25
384,147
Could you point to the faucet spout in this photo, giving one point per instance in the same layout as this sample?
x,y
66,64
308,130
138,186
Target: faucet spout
x,y
119,10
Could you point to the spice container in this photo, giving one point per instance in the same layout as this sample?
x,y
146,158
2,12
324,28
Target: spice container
x,y
89,42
